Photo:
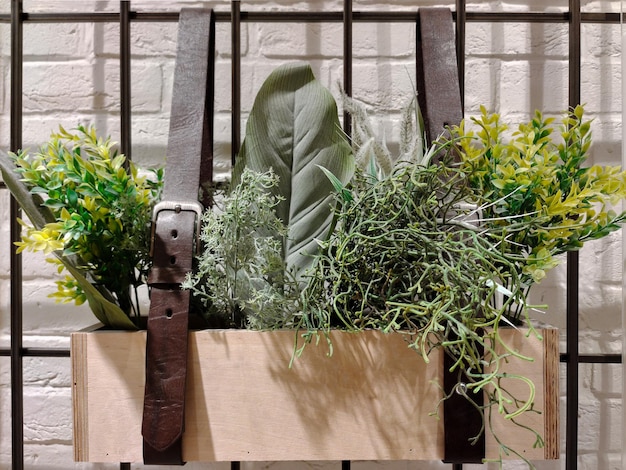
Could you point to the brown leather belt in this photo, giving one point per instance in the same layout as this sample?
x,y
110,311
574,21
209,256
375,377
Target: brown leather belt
x,y
439,98
176,223
439,94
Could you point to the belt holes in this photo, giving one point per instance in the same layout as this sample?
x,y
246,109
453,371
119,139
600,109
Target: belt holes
x,y
172,259
169,313
174,234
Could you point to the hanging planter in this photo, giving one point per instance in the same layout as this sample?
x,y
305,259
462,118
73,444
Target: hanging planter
x,y
390,266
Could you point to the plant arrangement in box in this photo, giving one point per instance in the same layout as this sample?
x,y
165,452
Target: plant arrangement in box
x,y
442,250
440,244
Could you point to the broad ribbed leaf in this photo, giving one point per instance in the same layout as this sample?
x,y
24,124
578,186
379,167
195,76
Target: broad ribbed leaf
x,y
294,129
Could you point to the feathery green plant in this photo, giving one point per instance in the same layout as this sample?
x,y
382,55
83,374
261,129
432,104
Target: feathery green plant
x,y
242,277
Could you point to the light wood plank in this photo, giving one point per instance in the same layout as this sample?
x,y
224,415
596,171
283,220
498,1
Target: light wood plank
x,y
370,401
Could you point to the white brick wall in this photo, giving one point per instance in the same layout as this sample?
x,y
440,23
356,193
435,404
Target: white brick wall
x,y
71,76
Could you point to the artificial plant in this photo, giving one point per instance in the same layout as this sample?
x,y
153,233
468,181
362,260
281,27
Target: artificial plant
x,y
90,208
537,188
445,250
293,131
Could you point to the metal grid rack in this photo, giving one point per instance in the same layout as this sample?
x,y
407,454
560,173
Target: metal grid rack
x,y
574,17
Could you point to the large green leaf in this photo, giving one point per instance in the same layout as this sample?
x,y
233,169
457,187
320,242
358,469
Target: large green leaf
x,y
294,129
106,311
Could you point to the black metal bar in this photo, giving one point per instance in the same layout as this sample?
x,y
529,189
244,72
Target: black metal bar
x,y
45,352
124,466
17,377
572,290
345,465
318,17
125,98
347,60
235,22
125,83
461,19
594,358
38,352
564,357
599,358
235,79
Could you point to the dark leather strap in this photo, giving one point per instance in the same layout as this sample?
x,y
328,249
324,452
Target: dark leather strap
x,y
175,224
462,419
438,90
439,98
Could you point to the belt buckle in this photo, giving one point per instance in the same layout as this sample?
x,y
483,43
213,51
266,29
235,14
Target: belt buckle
x,y
177,206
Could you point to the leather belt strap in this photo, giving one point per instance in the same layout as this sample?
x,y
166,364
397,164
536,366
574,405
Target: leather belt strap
x,y
439,97
462,419
176,224
438,90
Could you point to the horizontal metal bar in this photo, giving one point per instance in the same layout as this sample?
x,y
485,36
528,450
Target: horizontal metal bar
x,y
58,352
38,352
595,358
315,17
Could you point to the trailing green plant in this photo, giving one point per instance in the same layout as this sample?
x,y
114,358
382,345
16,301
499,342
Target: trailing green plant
x,y
407,257
91,208
444,251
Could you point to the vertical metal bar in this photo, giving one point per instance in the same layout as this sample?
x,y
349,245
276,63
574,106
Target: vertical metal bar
x,y
235,24
347,86
235,10
347,60
125,99
17,379
461,19
125,86
571,443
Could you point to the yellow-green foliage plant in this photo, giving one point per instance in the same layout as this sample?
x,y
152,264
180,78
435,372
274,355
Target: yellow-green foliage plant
x,y
90,208
536,188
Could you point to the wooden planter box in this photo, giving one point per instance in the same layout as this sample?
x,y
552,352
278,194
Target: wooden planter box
x,y
370,401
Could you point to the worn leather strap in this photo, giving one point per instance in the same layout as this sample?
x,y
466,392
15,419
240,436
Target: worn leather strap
x,y
175,223
439,98
438,90
462,418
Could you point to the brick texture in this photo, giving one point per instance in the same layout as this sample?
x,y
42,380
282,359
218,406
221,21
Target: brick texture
x,y
71,76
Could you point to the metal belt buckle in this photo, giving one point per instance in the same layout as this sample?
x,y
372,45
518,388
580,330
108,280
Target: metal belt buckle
x,y
177,206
